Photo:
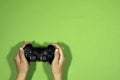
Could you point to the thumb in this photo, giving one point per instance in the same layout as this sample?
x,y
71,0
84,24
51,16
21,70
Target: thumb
x,y
56,58
22,56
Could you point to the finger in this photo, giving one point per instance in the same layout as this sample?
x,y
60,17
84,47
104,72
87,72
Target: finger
x,y
17,59
56,58
25,44
58,47
22,56
61,59
60,50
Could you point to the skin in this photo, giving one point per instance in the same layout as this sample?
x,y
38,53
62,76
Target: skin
x,y
56,66
21,64
58,63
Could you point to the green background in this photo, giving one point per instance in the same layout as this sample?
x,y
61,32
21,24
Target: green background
x,y
87,30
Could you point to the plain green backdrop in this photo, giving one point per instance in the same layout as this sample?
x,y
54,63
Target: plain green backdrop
x,y
87,30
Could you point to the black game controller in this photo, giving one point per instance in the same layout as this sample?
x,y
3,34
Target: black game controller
x,y
45,54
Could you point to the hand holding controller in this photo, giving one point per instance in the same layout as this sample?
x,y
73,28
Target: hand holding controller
x,y
52,54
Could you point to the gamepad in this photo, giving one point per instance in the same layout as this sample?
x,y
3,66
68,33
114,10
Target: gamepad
x,y
45,54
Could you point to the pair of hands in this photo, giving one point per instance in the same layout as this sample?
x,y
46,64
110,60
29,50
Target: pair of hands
x,y
56,66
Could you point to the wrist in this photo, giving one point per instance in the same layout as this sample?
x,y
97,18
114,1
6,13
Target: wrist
x,y
21,76
57,76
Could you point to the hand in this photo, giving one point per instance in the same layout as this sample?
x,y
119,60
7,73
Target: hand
x,y
57,63
21,64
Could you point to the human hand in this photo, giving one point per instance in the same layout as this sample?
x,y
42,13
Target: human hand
x,y
57,63
21,64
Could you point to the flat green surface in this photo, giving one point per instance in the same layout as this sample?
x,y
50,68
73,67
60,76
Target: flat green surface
x,y
89,30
